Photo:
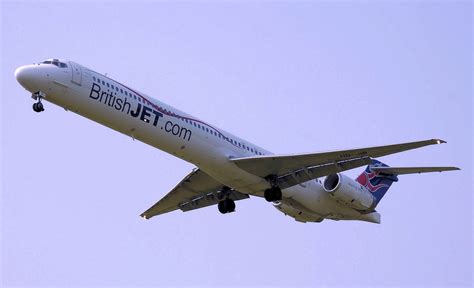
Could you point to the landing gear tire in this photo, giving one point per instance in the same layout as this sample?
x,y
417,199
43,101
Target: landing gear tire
x,y
38,107
226,206
273,194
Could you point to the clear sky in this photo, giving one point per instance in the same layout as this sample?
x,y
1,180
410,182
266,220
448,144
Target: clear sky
x,y
290,77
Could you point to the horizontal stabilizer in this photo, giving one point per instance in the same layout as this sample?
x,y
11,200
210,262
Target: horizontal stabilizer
x,y
410,170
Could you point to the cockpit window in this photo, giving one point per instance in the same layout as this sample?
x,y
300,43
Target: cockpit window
x,y
55,62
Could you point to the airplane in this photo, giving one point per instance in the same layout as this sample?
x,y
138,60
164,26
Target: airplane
x,y
308,187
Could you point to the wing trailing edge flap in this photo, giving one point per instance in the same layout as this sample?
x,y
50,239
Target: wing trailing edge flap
x,y
320,164
196,190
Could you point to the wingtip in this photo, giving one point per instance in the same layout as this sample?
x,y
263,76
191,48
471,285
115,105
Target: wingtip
x,y
439,141
144,216
451,169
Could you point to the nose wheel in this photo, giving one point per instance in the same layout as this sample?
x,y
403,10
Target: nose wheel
x,y
38,106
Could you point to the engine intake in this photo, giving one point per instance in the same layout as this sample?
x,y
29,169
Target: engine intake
x,y
349,192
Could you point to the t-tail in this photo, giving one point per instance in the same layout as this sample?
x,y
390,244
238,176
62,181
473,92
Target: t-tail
x,y
376,182
378,177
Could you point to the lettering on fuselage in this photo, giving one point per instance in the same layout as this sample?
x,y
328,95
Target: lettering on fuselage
x,y
143,112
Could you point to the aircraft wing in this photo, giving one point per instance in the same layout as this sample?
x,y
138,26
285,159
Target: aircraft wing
x,y
196,190
290,170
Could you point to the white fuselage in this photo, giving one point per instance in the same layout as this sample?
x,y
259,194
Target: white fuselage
x,y
141,117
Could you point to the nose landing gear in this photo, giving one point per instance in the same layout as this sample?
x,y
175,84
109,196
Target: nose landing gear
x,y
38,106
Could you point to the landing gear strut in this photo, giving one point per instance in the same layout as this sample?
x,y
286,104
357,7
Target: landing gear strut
x,y
273,194
38,106
226,206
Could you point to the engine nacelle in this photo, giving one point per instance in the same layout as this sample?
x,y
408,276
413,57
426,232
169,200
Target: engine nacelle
x,y
349,192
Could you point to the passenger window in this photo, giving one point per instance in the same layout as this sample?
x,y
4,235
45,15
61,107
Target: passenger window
x,y
139,99
93,77
135,97
121,90
103,83
108,84
112,86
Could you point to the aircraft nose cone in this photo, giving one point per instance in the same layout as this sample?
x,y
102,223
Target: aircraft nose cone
x,y
25,76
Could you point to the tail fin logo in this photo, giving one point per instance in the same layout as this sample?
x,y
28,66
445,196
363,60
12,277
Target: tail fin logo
x,y
369,180
374,182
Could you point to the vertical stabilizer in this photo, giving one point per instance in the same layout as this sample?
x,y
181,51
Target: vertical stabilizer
x,y
375,182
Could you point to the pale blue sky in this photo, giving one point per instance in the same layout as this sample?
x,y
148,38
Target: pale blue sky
x,y
290,77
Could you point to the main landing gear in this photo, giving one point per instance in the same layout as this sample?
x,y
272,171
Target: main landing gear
x,y
38,106
226,206
272,194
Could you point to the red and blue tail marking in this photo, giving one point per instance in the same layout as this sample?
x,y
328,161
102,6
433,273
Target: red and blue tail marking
x,y
376,183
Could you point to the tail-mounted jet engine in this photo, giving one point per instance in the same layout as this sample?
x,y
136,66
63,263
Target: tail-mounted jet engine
x,y
349,192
